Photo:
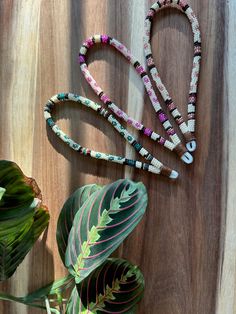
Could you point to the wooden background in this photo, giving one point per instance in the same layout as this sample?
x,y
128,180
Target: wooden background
x,y
182,245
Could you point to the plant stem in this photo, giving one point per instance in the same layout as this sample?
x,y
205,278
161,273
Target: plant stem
x,y
61,308
47,306
55,300
2,191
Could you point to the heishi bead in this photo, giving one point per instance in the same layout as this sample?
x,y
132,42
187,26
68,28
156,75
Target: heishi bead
x,y
184,128
162,141
104,39
191,108
97,38
83,50
147,131
162,117
89,42
81,59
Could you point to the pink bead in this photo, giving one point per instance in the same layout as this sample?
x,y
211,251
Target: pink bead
x,y
140,69
171,106
151,13
89,42
191,99
170,132
182,3
150,61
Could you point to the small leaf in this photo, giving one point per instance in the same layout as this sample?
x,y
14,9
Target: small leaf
x,y
114,287
102,223
70,208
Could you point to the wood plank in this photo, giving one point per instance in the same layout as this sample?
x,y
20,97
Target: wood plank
x,y
226,298
177,245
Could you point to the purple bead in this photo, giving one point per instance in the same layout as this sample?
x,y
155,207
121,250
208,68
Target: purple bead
x,y
162,141
162,117
147,132
81,59
171,132
105,98
104,39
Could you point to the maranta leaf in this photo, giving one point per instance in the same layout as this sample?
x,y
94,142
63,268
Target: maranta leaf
x,y
70,208
115,287
22,217
102,224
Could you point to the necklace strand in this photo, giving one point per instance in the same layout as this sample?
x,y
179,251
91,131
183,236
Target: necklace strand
x,y
187,128
154,165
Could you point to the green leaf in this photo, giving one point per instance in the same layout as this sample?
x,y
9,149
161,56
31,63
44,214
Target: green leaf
x,y
102,223
73,304
19,194
22,217
58,286
70,208
114,287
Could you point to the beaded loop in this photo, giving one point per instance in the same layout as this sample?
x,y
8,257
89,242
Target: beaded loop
x,y
174,144
154,165
187,128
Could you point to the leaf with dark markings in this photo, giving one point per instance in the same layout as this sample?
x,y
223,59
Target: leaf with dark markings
x,y
22,217
102,223
73,304
115,287
70,208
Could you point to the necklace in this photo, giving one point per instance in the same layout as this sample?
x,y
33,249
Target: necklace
x,y
174,142
154,165
187,128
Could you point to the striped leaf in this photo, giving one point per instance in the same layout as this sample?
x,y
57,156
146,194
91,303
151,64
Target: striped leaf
x,y
70,208
114,287
102,224
22,217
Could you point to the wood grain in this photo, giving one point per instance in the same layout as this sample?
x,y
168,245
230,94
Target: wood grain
x,y
226,300
180,243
